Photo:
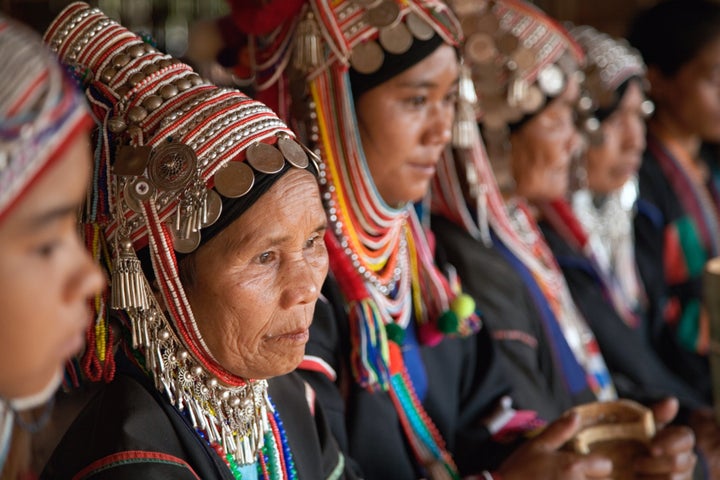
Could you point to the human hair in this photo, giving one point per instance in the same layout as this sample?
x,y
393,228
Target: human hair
x,y
673,32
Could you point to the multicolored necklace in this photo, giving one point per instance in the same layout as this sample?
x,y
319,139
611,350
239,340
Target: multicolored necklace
x,y
274,461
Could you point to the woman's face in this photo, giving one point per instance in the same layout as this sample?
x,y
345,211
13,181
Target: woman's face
x,y
255,284
405,123
690,100
46,277
611,163
542,149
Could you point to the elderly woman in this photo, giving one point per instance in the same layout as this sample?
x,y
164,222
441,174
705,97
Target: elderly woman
x,y
46,275
527,84
212,192
592,235
413,392
678,221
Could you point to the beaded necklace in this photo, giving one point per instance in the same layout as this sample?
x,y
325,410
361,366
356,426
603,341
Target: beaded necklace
x,y
384,265
274,461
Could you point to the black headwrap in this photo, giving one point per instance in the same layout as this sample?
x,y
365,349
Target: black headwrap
x,y
393,65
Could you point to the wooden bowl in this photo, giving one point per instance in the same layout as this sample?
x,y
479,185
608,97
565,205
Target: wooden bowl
x,y
620,430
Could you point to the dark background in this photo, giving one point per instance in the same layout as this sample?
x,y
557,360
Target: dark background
x,y
168,20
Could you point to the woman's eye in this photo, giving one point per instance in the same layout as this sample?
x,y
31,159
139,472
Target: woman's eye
x,y
46,250
313,241
265,257
452,97
417,101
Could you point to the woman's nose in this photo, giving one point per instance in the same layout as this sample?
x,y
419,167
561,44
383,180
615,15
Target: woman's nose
x,y
300,284
88,278
439,129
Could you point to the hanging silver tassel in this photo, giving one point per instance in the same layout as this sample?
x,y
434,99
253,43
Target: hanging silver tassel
x,y
128,286
465,121
308,44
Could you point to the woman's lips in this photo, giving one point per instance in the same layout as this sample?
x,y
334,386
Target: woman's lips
x,y
300,336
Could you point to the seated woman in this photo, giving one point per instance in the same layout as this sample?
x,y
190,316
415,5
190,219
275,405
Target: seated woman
x,y
678,221
222,205
527,113
413,392
46,275
592,234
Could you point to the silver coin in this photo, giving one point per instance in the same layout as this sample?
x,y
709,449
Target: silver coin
x,y
383,15
265,158
507,43
480,48
185,245
141,189
131,161
234,180
367,57
532,100
214,208
420,29
396,39
524,58
293,152
172,166
551,80
130,200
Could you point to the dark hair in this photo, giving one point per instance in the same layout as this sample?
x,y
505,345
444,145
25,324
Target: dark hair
x,y
673,32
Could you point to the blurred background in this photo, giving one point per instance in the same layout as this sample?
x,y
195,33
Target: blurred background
x,y
168,21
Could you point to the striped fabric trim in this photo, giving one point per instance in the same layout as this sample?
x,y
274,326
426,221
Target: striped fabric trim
x,y
317,364
131,457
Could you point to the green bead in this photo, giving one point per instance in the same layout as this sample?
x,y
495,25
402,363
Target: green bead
x,y
395,333
463,305
448,322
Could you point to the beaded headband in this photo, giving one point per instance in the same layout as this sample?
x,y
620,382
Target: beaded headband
x,y
518,56
609,64
171,152
41,111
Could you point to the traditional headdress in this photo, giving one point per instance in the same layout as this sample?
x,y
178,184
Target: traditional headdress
x,y
519,59
378,253
603,230
465,190
177,159
39,116
41,113
609,65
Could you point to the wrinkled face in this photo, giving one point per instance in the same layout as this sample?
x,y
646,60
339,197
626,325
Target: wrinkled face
x,y
406,122
255,284
690,100
611,163
46,277
542,149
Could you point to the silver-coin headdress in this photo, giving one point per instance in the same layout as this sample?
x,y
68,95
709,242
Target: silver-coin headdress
x,y
609,64
175,156
519,58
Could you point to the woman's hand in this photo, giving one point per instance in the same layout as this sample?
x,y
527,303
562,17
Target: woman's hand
x,y
671,453
542,459
707,434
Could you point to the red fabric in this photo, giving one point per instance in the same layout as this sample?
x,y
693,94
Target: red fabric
x,y
310,364
254,18
675,265
129,456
